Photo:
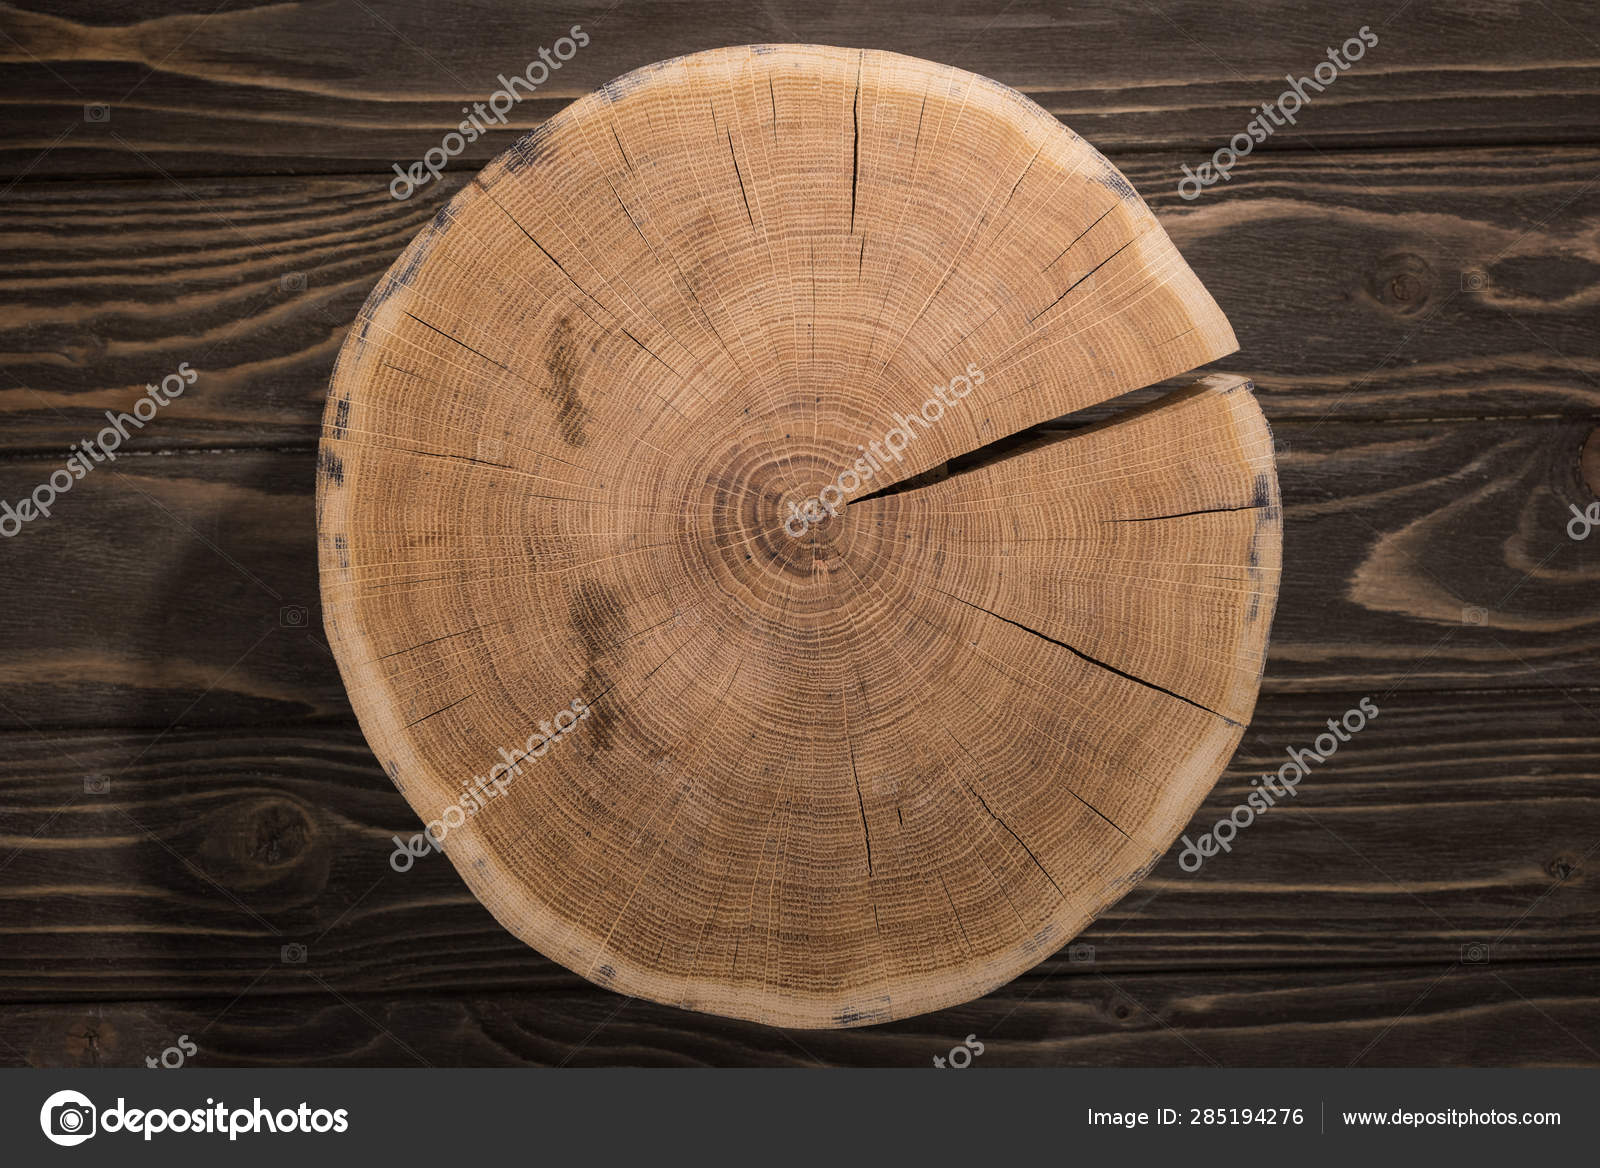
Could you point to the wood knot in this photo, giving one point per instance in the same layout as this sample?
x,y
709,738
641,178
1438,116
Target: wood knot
x,y
90,1042
1122,1010
262,843
1589,462
1563,867
1402,282
279,833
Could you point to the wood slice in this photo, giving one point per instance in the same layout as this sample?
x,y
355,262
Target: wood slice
x,y
810,766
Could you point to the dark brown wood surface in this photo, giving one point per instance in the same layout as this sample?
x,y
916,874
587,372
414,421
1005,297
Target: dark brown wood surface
x,y
185,800
335,85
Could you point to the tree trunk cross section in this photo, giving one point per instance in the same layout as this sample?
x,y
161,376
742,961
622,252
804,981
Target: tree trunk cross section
x,y
684,581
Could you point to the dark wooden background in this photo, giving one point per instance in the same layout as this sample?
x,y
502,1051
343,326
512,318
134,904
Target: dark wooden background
x,y
1414,275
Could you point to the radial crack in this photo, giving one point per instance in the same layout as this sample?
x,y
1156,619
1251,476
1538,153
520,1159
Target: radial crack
x,y
1186,514
439,711
1122,407
740,176
855,148
458,341
1109,668
1081,279
1023,844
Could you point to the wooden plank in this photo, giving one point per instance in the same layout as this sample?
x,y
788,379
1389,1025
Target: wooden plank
x,y
334,86
253,283
1450,821
1429,554
1433,1015
166,589
183,588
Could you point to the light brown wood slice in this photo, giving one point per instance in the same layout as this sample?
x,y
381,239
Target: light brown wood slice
x,y
831,776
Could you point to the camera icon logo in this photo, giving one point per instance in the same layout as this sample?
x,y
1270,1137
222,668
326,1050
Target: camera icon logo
x,y
1474,280
67,1118
293,616
293,953
97,113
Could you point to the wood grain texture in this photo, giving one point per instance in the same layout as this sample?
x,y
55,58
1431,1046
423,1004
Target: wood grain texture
x,y
1453,820
109,285
1296,950
336,86
1384,584
1438,1014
